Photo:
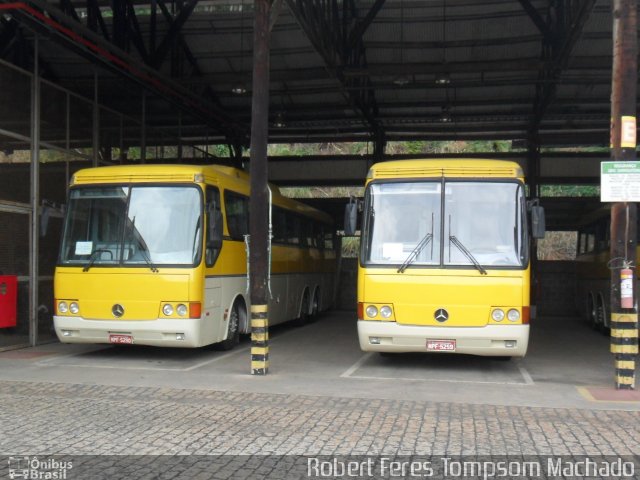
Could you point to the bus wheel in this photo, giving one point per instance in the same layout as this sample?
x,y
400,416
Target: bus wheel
x,y
303,319
315,307
602,321
233,330
592,314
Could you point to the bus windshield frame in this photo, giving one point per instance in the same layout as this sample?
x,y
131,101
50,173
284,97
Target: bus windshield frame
x,y
133,225
466,223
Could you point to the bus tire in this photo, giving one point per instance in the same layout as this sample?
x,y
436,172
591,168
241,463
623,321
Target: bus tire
x,y
592,313
303,319
602,321
315,307
233,330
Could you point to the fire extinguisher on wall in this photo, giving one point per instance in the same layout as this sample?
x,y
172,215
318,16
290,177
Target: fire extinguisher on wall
x,y
626,286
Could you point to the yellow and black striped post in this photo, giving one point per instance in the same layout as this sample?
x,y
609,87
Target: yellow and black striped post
x,y
259,340
624,346
624,214
259,204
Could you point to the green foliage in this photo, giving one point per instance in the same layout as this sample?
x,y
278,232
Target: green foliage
x,y
569,191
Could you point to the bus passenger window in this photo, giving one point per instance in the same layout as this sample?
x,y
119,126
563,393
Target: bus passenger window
x,y
214,216
279,226
591,242
293,229
237,209
329,241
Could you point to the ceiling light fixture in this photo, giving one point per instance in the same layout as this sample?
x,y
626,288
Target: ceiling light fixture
x,y
444,78
240,88
445,116
402,79
278,121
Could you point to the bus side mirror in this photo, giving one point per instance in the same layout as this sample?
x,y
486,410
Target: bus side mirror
x,y
215,229
538,225
351,217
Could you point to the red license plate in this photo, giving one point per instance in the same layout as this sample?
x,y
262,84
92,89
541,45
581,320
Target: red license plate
x,y
121,339
441,345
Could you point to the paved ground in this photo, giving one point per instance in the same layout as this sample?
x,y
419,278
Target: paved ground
x,y
322,397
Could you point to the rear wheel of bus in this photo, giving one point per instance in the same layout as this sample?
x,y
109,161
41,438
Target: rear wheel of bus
x,y
303,317
602,322
233,327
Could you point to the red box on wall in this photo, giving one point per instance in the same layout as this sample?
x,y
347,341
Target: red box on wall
x,y
8,300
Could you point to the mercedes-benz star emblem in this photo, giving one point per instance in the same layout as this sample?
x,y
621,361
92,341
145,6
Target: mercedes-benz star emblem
x,y
441,315
117,310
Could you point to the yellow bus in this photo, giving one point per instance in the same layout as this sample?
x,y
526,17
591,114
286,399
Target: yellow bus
x,y
593,269
156,255
444,261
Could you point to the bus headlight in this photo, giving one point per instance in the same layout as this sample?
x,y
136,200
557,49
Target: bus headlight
x,y
182,310
74,308
386,312
497,314
513,315
372,311
167,309
62,307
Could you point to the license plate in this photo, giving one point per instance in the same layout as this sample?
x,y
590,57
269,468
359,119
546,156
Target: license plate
x,y
121,339
441,345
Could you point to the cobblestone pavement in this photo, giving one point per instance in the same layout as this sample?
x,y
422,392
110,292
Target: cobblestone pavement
x,y
41,418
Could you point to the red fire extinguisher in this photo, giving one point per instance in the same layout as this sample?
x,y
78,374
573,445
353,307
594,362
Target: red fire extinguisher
x,y
626,287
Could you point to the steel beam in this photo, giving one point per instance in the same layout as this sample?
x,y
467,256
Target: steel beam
x,y
321,22
537,20
171,36
568,26
34,217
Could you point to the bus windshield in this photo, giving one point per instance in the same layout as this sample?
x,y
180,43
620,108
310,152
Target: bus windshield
x,y
133,226
451,223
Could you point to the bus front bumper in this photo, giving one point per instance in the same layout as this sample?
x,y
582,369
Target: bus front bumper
x,y
490,340
156,332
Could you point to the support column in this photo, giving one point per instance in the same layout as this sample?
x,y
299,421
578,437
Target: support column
x,y
533,176
533,164
624,316
95,141
259,201
143,129
34,227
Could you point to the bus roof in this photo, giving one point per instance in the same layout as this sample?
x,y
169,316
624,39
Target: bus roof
x,y
228,177
447,167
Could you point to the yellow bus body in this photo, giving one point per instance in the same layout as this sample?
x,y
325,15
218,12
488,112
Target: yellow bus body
x,y
209,292
468,296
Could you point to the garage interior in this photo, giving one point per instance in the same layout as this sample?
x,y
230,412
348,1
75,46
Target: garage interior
x,y
160,81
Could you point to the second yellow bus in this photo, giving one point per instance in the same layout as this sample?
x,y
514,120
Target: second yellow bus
x,y
444,260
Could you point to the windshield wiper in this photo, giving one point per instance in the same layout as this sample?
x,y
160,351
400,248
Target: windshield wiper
x,y
93,257
144,250
415,252
467,253
145,256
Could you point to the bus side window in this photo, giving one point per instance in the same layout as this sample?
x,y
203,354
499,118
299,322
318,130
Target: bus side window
x,y
591,242
279,226
214,226
237,210
307,233
293,228
329,240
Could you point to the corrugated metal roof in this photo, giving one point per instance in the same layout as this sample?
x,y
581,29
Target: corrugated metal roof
x,y
491,51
